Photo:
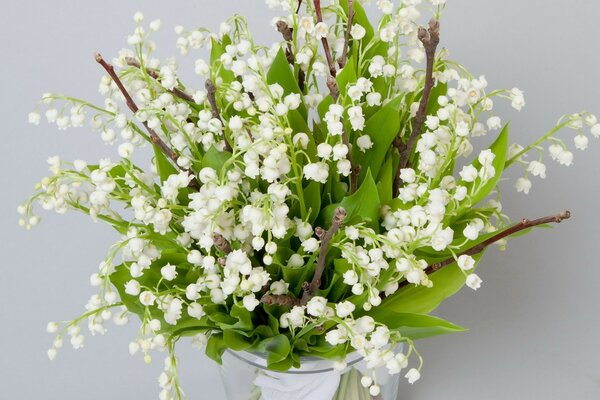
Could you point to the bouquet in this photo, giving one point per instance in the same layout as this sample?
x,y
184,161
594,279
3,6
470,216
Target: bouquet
x,y
318,197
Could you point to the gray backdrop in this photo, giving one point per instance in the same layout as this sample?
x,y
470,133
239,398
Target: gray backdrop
x,y
534,324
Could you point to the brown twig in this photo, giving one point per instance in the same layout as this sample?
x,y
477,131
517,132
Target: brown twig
x,y
288,36
156,140
221,243
522,225
310,289
211,91
134,108
280,300
344,57
324,41
155,75
334,90
430,37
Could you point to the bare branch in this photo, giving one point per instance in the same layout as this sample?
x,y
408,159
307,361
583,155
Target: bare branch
x,y
430,38
288,36
334,90
134,108
310,289
522,225
324,41
221,243
156,140
211,90
344,57
155,75
280,300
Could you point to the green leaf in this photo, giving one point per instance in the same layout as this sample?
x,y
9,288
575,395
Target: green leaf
x,y
347,75
422,300
236,341
382,127
121,276
413,326
278,349
440,89
215,159
385,182
341,265
298,124
323,107
215,347
163,165
361,18
217,69
362,206
150,278
312,200
281,73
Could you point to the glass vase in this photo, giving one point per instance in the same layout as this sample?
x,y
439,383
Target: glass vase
x,y
246,377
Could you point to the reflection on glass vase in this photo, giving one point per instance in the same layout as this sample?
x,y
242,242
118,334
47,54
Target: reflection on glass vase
x,y
246,377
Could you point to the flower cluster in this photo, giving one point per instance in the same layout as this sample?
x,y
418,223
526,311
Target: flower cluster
x,y
303,201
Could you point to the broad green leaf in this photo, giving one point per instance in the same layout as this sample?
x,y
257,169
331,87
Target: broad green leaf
x,y
150,278
243,316
413,326
236,341
215,347
281,73
217,69
278,349
440,89
297,276
121,276
188,326
382,127
298,124
422,300
323,107
312,200
385,182
336,290
283,365
362,206
215,159
361,18
341,265
347,75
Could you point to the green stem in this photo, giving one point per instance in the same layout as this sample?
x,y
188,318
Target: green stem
x,y
537,142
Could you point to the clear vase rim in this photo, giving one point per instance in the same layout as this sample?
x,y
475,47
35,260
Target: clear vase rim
x,y
308,365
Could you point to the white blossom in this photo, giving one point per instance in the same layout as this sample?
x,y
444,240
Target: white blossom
x,y
413,375
523,185
316,306
466,262
474,281
168,272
